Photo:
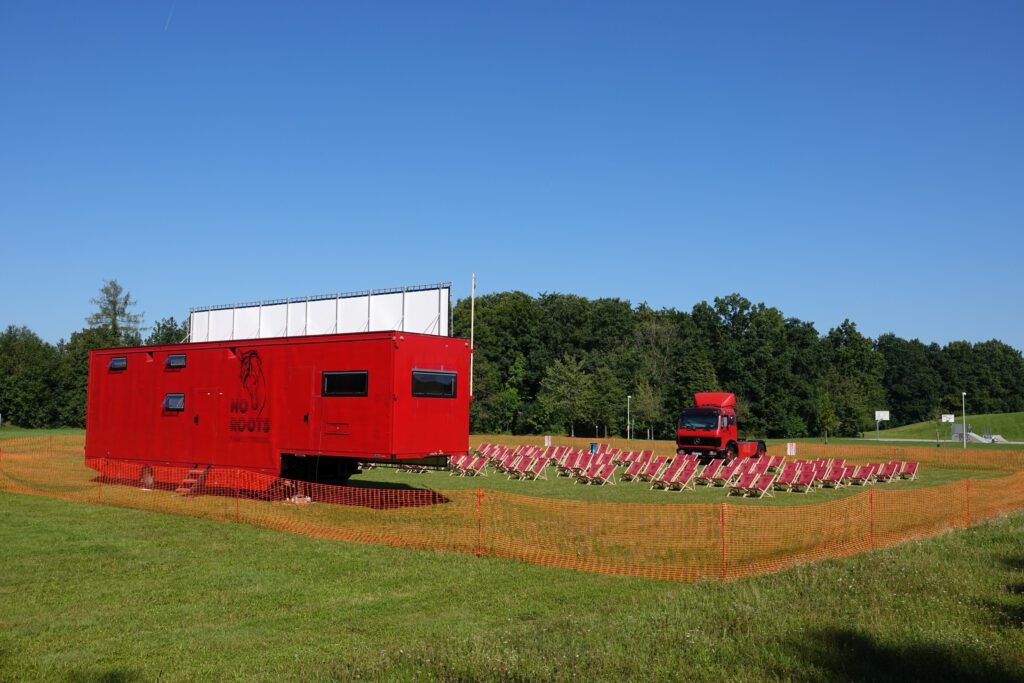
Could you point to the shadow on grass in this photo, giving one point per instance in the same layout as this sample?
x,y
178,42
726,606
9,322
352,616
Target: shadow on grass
x,y
844,654
115,676
370,494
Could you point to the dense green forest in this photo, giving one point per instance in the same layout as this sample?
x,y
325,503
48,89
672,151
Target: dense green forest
x,y
560,363
563,363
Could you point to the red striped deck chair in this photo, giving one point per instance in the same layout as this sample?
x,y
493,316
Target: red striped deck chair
x,y
833,479
583,476
741,485
651,468
521,467
727,474
565,468
804,482
668,476
762,486
887,472
584,463
536,470
787,476
685,479
909,470
709,471
863,475
775,462
632,471
477,468
605,474
455,464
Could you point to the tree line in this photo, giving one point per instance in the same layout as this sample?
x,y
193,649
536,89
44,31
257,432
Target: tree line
x,y
44,385
560,363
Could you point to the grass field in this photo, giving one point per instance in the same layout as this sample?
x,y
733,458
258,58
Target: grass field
x,y
97,593
16,432
1009,425
632,492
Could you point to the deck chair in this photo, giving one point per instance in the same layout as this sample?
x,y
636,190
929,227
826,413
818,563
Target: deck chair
x,y
476,468
742,484
887,472
786,477
775,463
727,474
909,470
632,471
651,468
863,475
536,470
565,468
584,463
583,476
762,486
668,476
804,482
605,474
709,472
833,479
685,479
522,466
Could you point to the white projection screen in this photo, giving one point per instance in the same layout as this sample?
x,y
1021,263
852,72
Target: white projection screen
x,y
423,308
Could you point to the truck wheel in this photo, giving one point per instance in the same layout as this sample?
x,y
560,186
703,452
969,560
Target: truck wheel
x,y
730,453
761,451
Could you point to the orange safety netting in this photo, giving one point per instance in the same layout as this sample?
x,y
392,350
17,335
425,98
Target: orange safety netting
x,y
677,541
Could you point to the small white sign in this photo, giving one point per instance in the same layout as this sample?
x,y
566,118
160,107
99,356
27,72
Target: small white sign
x,y
881,416
791,448
547,441
949,418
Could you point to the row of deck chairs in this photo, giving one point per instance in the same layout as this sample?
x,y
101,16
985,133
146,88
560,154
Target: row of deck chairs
x,y
803,476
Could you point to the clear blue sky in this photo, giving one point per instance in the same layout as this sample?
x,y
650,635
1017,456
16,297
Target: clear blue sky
x,y
837,159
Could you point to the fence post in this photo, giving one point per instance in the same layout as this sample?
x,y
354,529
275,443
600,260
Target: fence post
x,y
721,533
871,517
479,524
967,502
238,517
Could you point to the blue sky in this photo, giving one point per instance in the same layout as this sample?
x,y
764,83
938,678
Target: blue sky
x,y
835,160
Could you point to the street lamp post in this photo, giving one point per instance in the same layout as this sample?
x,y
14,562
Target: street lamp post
x,y
629,424
963,411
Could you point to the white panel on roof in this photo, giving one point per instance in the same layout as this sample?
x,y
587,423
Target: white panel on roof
x,y
247,323
272,321
296,319
352,315
423,312
423,309
199,326
323,316
386,311
221,324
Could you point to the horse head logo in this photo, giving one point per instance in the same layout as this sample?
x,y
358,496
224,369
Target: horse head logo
x,y
251,374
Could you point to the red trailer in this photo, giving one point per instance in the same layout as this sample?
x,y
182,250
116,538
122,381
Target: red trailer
x,y
297,407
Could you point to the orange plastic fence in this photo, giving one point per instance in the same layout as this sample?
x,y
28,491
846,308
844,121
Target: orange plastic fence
x,y
664,541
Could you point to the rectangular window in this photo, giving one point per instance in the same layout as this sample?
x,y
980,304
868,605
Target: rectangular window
x,y
175,402
433,384
345,383
176,360
118,363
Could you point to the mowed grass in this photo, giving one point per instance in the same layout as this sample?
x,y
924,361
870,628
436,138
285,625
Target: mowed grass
x,y
634,492
1009,425
8,432
99,593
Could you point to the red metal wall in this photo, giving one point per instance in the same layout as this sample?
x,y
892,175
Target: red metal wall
x,y
247,402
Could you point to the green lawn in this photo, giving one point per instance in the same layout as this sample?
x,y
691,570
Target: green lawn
x,y
9,432
632,492
99,593
1009,425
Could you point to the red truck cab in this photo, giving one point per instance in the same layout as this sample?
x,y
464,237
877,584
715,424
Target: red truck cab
x,y
709,429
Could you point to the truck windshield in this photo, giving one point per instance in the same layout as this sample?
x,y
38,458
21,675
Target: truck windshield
x,y
702,419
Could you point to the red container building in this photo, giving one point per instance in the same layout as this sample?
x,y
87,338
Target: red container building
x,y
298,407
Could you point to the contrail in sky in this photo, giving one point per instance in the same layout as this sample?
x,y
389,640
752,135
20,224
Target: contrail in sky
x,y
170,15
